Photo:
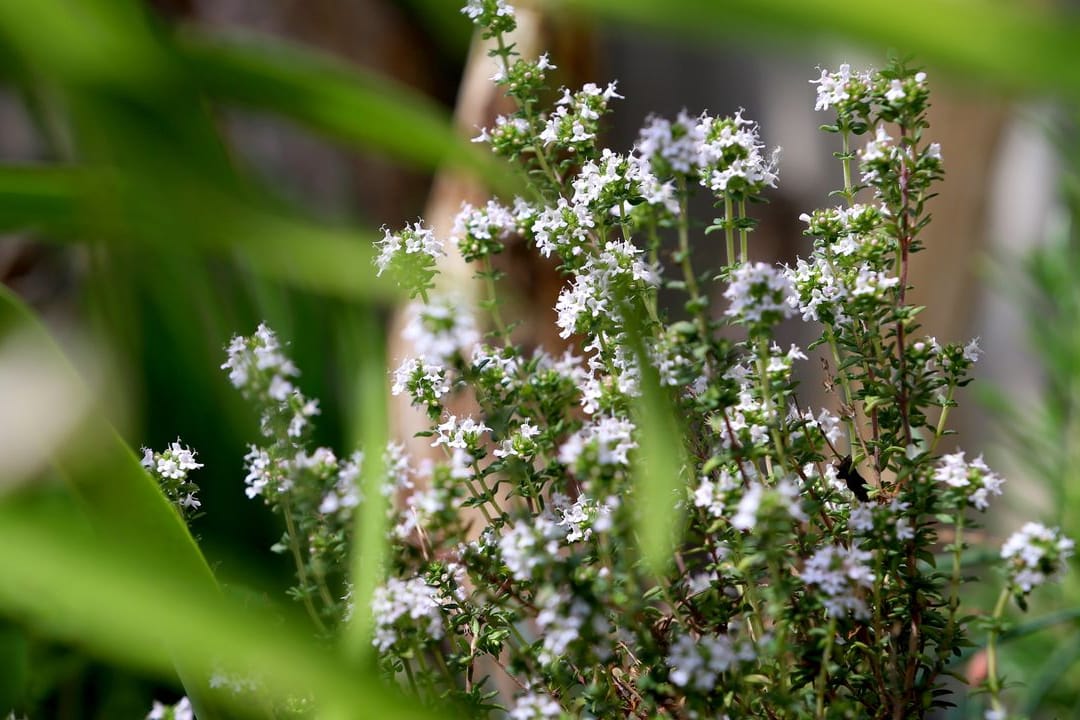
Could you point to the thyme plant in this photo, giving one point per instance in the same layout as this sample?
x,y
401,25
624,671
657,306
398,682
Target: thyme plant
x,y
804,582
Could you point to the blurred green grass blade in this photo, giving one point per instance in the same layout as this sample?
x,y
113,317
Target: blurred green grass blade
x,y
1069,615
37,198
89,43
370,544
332,261
661,457
1014,44
1061,660
328,260
118,497
126,605
339,100
14,649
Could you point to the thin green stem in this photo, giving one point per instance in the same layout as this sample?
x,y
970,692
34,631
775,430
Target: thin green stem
x,y
845,159
823,676
939,431
729,231
541,157
744,246
767,399
488,274
993,684
301,567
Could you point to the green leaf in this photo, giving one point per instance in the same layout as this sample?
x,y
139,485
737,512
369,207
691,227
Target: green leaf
x,y
341,101
370,546
121,502
1011,45
127,604
660,459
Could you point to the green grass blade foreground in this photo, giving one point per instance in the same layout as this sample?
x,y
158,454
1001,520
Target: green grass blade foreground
x,y
1013,45
115,601
119,500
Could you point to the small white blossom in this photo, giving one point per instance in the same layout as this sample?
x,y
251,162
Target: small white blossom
x,y
697,664
182,710
842,574
535,705
759,293
439,330
403,606
1036,554
527,544
976,480
415,240
972,351
835,88
610,439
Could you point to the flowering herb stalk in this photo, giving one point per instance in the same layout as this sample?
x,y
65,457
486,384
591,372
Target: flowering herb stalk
x,y
803,581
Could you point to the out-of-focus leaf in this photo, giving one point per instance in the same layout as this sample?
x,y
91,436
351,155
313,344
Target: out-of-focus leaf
x,y
122,502
1017,45
14,650
124,604
370,545
1063,658
660,459
342,101
39,198
333,261
91,44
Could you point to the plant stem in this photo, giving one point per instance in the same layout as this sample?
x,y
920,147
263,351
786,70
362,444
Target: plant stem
x,y
301,569
992,682
488,274
744,249
729,231
823,676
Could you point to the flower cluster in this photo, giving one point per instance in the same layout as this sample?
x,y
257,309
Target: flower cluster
x,y
171,467
410,256
182,710
1034,555
798,578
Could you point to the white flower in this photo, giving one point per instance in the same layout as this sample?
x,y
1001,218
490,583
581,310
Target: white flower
x,y
730,157
425,382
560,621
610,438
403,605
519,444
413,240
675,143
475,9
1036,554
440,330
759,293
836,87
842,574
972,351
182,710
585,516
534,706
479,232
697,664
345,494
461,435
261,475
977,480
713,496
527,544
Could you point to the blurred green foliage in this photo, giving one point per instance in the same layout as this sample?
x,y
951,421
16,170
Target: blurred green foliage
x,y
185,246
